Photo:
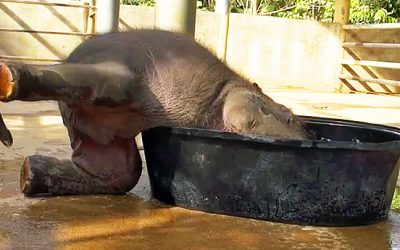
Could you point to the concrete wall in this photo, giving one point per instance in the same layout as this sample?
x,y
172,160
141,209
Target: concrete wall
x,y
374,54
207,23
284,53
131,17
274,52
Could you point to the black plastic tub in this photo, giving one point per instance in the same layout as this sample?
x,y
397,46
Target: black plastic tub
x,y
347,177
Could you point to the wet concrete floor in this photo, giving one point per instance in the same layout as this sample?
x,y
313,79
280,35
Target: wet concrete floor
x,y
135,221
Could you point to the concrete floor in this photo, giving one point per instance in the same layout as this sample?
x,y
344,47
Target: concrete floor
x,y
135,221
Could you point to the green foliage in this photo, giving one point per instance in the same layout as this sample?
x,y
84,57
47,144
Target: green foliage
x,y
374,11
206,5
362,11
139,2
321,10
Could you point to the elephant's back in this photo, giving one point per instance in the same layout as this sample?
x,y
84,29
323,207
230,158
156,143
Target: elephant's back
x,y
139,47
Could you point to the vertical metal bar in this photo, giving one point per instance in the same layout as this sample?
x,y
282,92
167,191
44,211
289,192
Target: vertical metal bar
x,y
107,16
222,7
176,15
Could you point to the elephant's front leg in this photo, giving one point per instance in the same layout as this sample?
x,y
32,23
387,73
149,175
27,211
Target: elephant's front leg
x,y
105,157
95,169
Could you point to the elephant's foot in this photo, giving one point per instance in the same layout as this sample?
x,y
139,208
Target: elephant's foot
x,y
48,175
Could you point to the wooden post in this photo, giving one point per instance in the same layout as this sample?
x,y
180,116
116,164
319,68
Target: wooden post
x,y
342,11
176,15
92,16
89,16
342,14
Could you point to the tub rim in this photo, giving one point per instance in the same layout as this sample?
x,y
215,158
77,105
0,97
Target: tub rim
x,y
297,143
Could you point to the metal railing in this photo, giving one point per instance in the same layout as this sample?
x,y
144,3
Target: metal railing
x,y
370,63
89,13
85,6
70,33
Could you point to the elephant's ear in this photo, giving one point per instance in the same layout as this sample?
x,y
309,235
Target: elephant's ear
x,y
5,135
255,85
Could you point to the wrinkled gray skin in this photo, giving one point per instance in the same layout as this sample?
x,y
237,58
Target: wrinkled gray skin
x,y
114,86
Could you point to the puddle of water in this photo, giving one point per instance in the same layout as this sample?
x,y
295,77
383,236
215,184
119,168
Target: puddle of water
x,y
130,222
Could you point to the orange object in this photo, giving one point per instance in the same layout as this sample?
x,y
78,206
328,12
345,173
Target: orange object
x,y
6,86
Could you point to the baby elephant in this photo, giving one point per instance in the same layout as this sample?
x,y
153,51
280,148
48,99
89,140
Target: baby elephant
x,y
114,86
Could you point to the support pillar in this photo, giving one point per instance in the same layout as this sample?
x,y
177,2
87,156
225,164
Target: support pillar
x,y
107,16
176,15
222,7
342,11
342,16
